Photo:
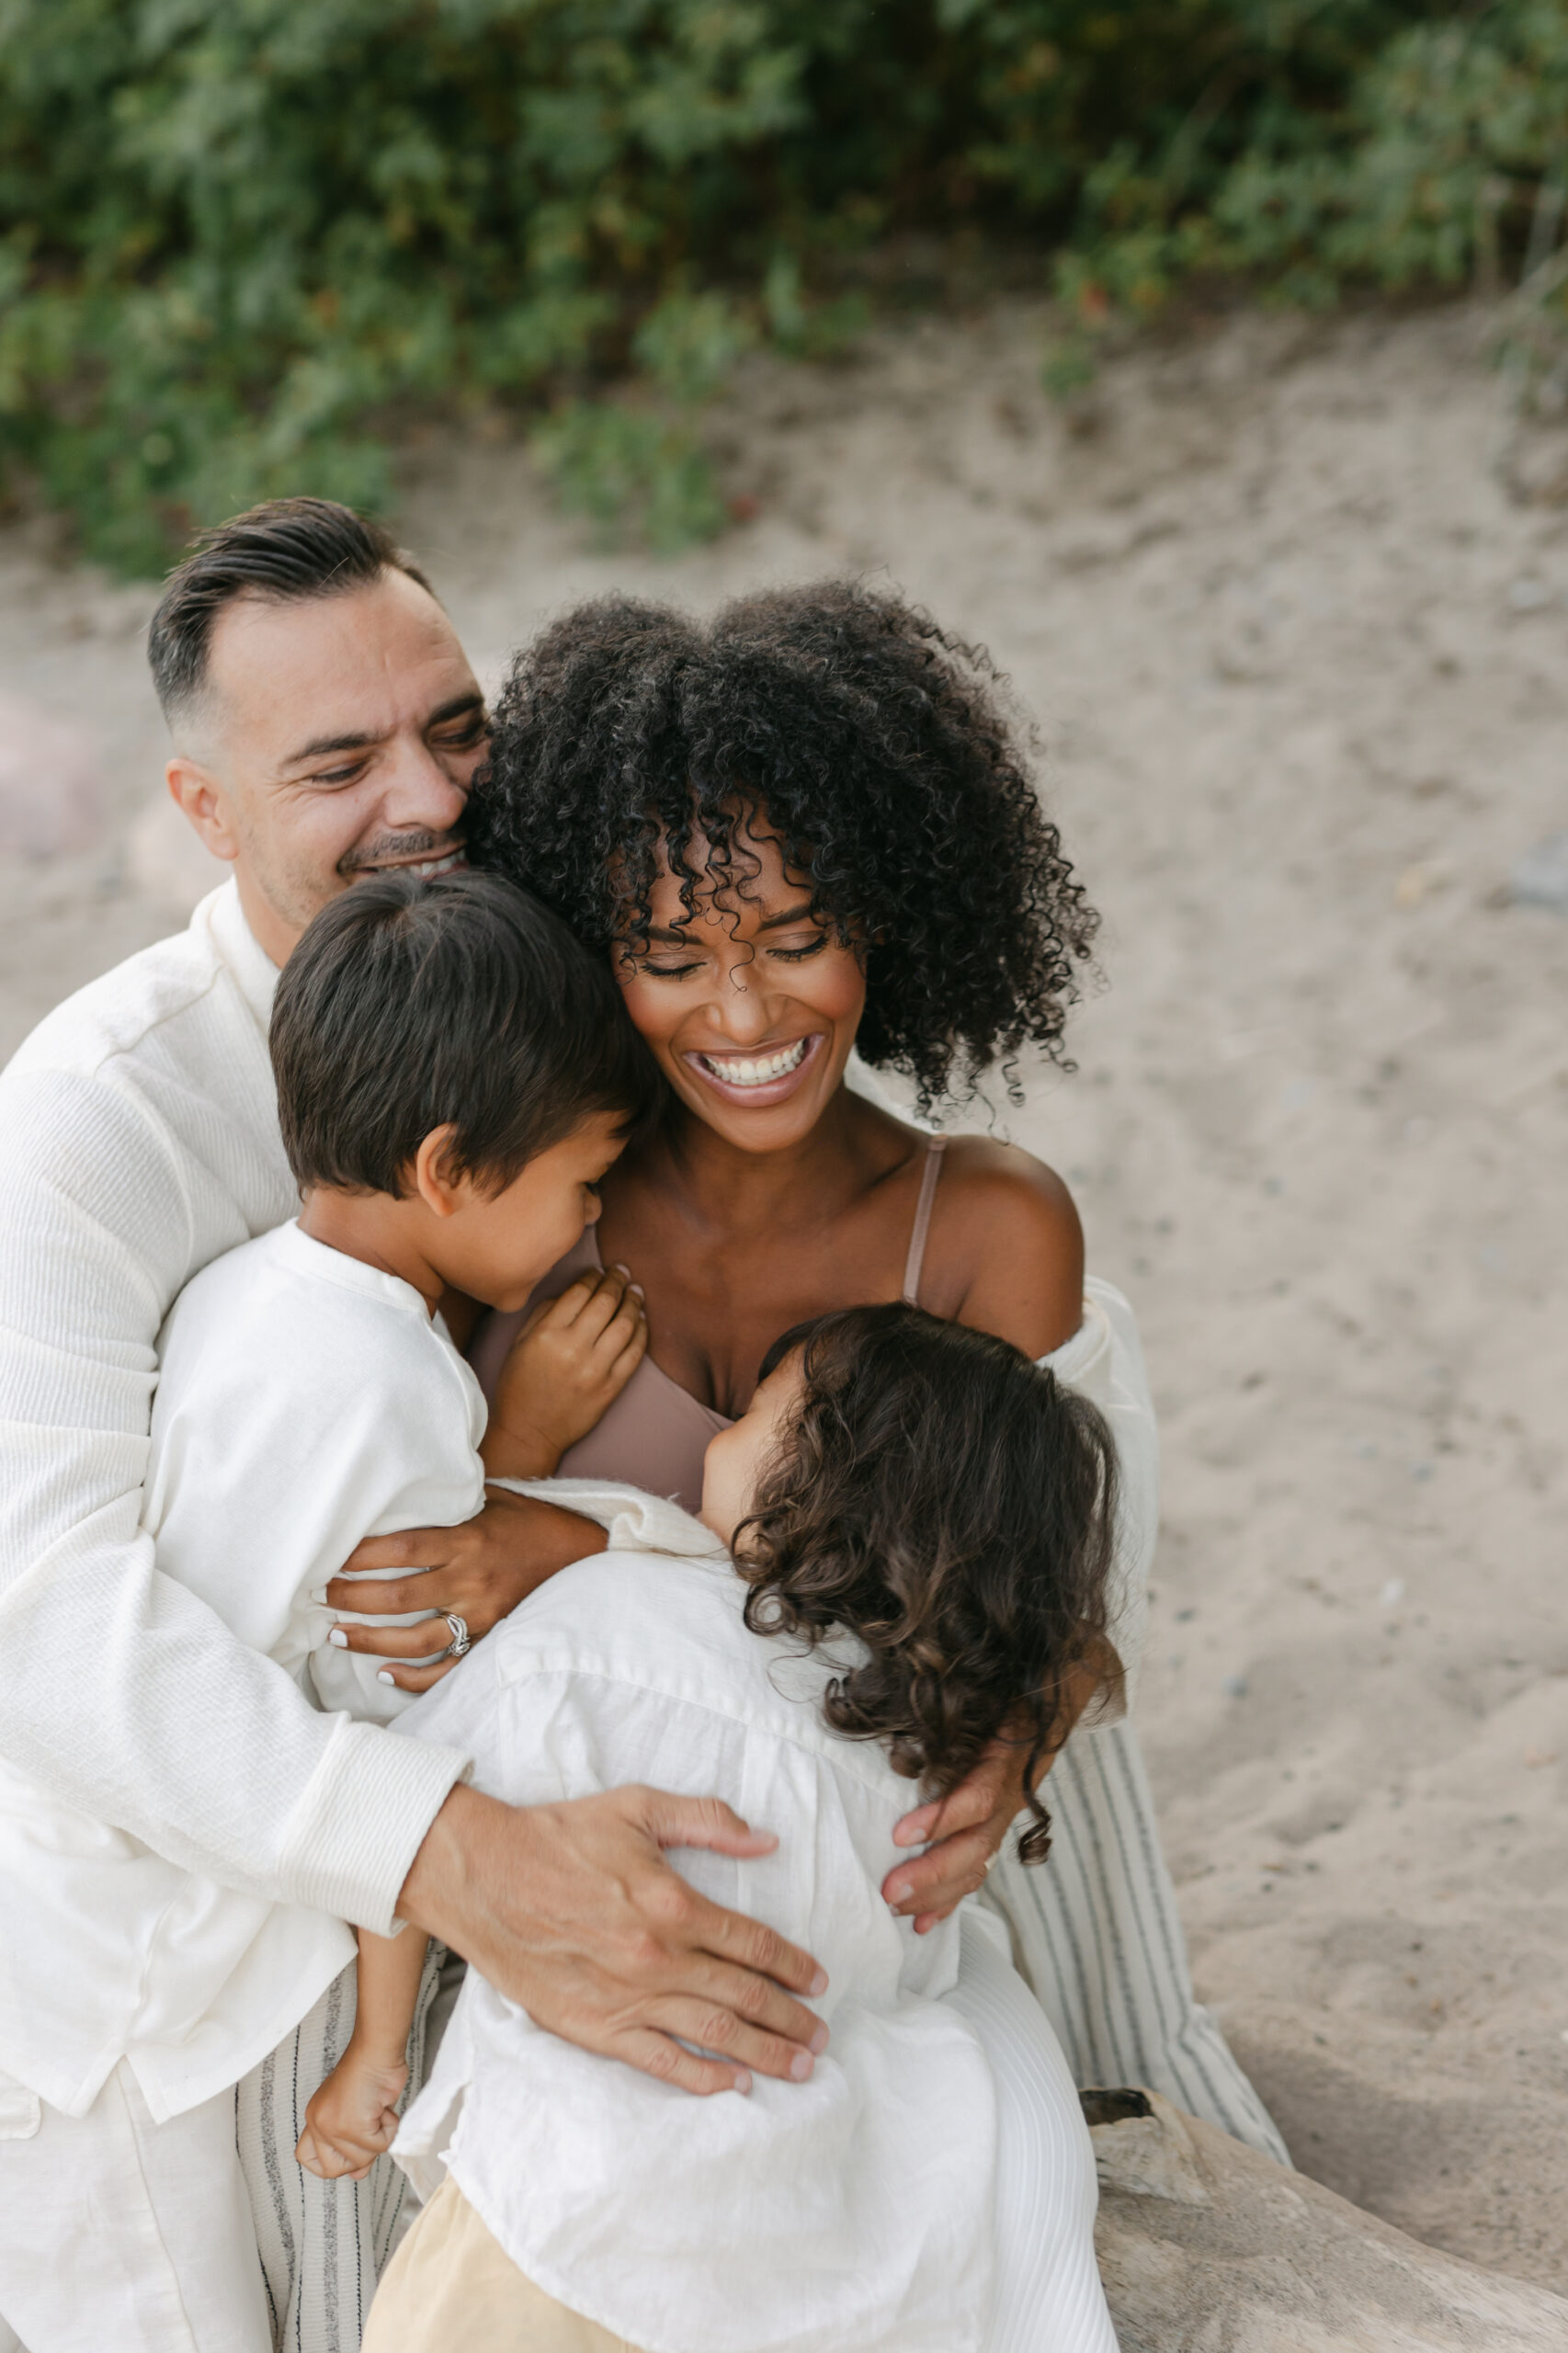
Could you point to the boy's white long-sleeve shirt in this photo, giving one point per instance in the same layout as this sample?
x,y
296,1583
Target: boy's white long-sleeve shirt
x,y
139,1140
304,1400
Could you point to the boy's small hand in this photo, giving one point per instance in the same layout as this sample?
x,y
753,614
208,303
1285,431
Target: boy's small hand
x,y
352,2119
571,1358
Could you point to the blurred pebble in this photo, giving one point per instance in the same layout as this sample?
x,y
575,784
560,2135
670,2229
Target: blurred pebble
x,y
1393,1591
1235,1687
49,785
1539,879
166,858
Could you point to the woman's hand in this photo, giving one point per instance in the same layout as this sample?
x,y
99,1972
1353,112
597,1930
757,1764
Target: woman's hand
x,y
571,1358
961,1833
478,1571
352,2118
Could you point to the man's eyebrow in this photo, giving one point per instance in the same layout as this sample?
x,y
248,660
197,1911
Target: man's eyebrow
x,y
472,701
320,746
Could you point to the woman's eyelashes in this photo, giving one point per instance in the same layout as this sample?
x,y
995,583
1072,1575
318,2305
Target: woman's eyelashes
x,y
795,955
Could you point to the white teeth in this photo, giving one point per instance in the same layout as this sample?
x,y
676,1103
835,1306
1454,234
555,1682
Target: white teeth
x,y
436,866
745,1069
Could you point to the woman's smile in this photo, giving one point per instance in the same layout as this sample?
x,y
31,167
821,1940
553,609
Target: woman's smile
x,y
762,1077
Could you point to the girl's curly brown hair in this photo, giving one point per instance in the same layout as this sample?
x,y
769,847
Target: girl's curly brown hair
x,y
945,1501
874,743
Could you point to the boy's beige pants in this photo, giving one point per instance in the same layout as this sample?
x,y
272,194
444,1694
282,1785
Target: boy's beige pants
x,y
449,2285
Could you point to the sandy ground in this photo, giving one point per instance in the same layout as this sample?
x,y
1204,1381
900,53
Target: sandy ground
x,y
1298,666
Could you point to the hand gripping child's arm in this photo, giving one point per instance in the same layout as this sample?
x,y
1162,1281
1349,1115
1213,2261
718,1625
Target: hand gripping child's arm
x,y
572,1360
352,2118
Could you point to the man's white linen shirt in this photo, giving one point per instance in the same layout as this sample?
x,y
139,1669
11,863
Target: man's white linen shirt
x,y
138,1140
849,2215
304,1400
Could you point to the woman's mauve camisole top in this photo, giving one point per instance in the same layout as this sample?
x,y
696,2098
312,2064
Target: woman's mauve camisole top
x,y
655,1433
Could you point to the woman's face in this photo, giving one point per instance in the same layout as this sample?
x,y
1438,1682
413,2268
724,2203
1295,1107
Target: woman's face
x,y
749,1005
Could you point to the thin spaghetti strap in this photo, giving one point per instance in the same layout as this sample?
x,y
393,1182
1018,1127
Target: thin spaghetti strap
x,y
922,1225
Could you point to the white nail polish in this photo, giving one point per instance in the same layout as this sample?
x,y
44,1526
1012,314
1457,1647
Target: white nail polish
x,y
384,1674
338,1639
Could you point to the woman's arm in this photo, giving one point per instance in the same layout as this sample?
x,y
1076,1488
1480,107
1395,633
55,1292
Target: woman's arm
x,y
1006,1248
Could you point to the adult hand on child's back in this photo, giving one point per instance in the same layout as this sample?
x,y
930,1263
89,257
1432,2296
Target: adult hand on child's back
x,y
573,1911
478,1571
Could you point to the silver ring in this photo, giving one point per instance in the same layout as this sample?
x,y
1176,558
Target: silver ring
x,y
463,1641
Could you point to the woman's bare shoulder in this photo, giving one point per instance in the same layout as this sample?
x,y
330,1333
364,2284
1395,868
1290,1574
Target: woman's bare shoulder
x,y
1006,1242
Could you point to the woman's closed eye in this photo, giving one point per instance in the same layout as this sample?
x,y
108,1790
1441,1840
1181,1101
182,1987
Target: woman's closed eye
x,y
796,953
668,971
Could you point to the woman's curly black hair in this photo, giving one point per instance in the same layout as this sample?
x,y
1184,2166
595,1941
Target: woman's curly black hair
x,y
874,743
945,1500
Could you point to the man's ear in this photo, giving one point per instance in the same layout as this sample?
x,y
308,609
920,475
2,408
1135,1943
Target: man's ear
x,y
197,791
441,1191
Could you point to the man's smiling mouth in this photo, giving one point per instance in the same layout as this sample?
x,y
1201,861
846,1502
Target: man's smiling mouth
x,y
425,864
447,863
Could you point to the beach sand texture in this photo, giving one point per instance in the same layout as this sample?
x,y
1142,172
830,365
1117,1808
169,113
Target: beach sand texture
x,y
1298,662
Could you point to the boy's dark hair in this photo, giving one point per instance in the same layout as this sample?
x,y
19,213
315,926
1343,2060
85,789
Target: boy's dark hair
x,y
945,1500
411,1004
285,551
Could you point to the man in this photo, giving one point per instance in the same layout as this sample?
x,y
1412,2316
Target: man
x,y
326,725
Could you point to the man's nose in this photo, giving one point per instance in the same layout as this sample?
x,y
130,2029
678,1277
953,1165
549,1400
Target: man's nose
x,y
420,796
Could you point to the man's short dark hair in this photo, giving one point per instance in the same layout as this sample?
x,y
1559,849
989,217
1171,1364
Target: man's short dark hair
x,y
409,1005
285,551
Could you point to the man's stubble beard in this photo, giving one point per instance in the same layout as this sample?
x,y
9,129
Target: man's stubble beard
x,y
364,857
296,894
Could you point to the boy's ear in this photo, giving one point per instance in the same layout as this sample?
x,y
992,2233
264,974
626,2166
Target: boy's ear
x,y
435,1180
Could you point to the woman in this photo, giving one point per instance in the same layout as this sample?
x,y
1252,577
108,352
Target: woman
x,y
804,828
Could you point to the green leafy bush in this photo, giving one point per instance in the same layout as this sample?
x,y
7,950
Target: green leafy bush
x,y
241,240
1443,162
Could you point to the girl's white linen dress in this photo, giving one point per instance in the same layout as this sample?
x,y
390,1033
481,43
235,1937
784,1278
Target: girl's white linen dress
x,y
931,2189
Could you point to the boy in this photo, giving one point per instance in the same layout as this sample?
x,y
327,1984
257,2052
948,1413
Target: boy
x,y
455,1074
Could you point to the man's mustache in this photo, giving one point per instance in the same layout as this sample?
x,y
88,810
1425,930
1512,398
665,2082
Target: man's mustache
x,y
389,847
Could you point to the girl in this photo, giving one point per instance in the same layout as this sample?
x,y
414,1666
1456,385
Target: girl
x,y
903,1557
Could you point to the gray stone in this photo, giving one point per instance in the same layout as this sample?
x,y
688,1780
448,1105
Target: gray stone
x,y
1206,2247
50,793
1539,878
167,860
